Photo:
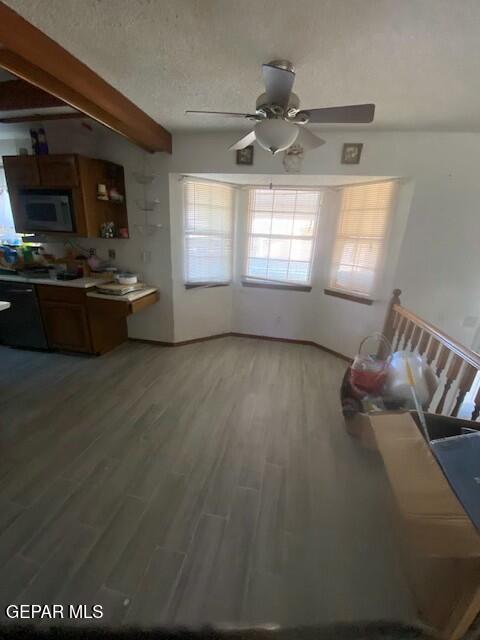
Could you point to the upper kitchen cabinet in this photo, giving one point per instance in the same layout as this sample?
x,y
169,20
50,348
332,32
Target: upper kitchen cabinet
x,y
22,171
66,193
58,171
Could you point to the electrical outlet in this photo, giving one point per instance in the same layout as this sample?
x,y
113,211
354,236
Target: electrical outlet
x,y
92,251
112,254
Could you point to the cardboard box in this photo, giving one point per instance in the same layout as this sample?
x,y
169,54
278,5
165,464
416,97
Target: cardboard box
x,y
440,544
433,517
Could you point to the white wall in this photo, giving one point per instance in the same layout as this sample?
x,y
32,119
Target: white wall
x,y
196,312
14,137
436,266
438,260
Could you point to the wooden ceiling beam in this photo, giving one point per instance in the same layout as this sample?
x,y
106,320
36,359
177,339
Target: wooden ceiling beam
x,y
31,55
16,95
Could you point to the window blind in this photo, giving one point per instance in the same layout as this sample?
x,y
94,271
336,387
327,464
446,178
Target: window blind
x,y
281,235
208,225
359,245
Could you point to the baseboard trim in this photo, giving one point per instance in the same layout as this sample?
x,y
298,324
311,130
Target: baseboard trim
x,y
236,334
309,343
274,338
181,343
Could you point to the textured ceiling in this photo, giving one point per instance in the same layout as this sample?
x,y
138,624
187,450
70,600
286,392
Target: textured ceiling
x,y
418,60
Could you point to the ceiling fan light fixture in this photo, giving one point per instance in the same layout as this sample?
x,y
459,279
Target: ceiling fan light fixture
x,y
275,134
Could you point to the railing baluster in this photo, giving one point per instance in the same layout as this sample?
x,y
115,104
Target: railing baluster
x,y
415,338
408,334
432,350
422,347
442,360
401,329
464,386
395,319
452,373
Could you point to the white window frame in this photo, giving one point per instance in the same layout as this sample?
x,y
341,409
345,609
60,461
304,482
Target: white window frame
x,y
248,280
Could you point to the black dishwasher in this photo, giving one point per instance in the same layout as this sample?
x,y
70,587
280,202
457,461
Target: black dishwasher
x,y
21,325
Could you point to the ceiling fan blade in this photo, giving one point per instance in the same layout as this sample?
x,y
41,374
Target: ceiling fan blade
x,y
228,114
348,114
307,139
278,84
246,141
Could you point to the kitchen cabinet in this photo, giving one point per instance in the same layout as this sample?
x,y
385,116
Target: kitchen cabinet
x,y
66,326
79,176
21,171
65,318
75,322
58,171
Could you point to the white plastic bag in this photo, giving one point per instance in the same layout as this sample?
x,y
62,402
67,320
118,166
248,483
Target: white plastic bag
x,y
397,386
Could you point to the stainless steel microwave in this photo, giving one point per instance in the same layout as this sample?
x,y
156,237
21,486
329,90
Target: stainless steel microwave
x,y
45,210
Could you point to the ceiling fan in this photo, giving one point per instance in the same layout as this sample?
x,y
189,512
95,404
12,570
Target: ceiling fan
x,y
279,120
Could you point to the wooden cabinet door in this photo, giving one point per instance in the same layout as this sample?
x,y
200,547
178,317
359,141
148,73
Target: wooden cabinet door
x,y
58,171
21,171
66,325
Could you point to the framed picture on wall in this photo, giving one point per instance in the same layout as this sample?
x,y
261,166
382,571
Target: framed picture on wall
x,y
245,156
351,152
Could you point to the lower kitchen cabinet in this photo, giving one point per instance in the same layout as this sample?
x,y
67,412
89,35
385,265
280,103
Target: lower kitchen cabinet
x,y
66,326
75,322
71,326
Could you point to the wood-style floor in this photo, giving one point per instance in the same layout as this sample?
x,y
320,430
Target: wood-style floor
x,y
212,482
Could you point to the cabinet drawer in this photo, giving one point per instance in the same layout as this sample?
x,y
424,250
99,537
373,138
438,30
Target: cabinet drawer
x,y
146,301
21,171
58,171
56,293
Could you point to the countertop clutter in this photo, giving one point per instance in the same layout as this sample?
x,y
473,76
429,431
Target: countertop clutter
x,y
128,297
67,315
83,283
78,283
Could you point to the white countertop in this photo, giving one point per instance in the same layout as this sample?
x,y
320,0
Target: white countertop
x,y
79,283
128,297
4,305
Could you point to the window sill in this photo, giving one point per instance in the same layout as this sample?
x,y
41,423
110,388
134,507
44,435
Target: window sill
x,y
284,287
353,297
206,285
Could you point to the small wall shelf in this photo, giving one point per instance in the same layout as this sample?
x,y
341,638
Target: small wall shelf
x,y
147,205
